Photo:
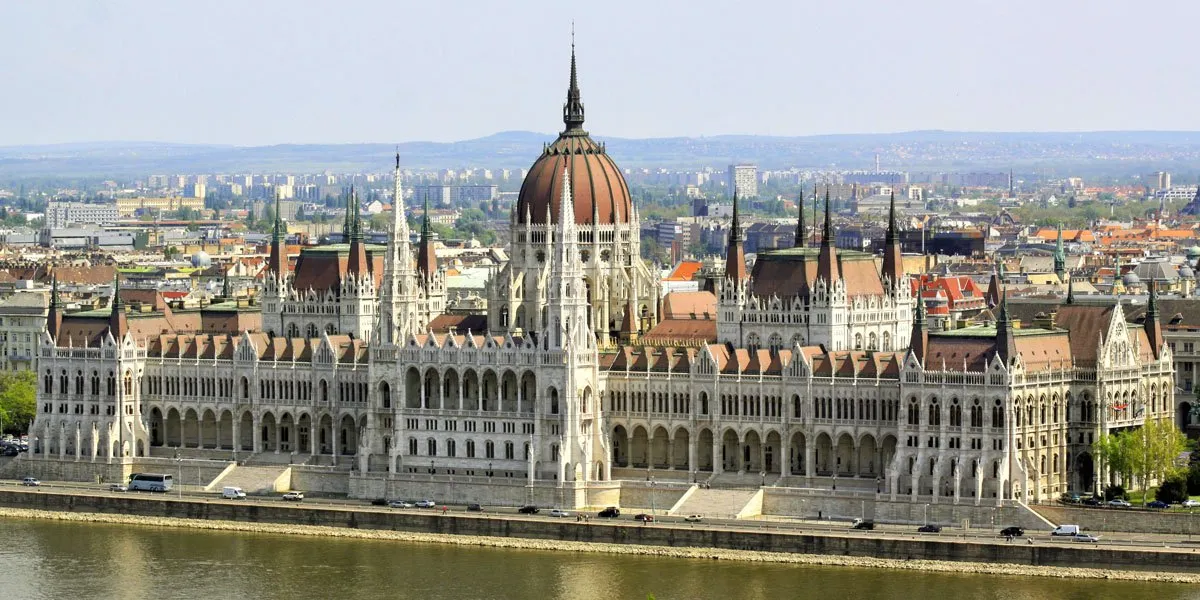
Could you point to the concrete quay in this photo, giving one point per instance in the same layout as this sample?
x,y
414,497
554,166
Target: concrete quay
x,y
849,548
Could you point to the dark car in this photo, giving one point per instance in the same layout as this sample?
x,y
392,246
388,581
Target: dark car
x,y
474,508
929,529
12,451
611,512
379,502
1157,504
863,524
529,510
645,518
1090,501
1012,532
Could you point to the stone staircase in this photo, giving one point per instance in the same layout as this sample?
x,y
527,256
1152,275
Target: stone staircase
x,y
715,503
254,480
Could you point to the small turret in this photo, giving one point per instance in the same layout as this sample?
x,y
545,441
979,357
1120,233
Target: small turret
x,y
735,255
1152,325
893,262
920,331
1006,345
118,322
827,266
801,230
55,316
426,257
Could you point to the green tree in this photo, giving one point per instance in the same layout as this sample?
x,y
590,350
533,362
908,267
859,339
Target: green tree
x,y
1114,451
1154,447
18,394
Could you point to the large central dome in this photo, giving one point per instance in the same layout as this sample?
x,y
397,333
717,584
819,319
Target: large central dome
x,y
599,190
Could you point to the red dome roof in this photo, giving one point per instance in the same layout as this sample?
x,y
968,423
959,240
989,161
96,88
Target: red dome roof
x,y
597,186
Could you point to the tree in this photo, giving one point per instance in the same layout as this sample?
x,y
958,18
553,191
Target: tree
x,y
1155,446
18,395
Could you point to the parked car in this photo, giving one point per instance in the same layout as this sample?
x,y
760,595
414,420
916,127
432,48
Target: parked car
x,y
1119,503
1013,531
232,492
31,482
426,504
1070,498
1190,504
118,487
1157,504
693,518
644,518
1091,501
929,529
400,504
12,451
529,510
1084,537
379,502
558,512
474,508
862,524
611,512
293,496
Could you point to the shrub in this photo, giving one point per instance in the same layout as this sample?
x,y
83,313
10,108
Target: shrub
x,y
1113,492
1172,490
1193,480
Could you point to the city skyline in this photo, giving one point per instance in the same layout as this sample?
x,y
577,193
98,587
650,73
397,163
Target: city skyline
x,y
275,73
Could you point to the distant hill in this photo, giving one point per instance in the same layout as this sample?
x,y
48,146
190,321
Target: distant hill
x,y
1118,151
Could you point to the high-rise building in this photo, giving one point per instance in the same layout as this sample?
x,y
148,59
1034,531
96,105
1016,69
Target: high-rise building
x,y
743,180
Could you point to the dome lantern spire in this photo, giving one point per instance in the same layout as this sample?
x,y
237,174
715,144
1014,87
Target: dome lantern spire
x,y
573,109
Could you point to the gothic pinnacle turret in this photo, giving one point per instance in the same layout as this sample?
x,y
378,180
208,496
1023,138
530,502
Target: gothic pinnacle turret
x,y
1152,325
277,263
735,253
827,265
893,262
1060,257
801,230
426,257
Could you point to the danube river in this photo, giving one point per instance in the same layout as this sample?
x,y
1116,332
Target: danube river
x,y
49,559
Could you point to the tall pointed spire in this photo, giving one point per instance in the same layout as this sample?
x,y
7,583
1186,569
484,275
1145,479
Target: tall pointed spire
x,y
1070,290
1152,325
277,262
735,253
893,261
573,109
426,257
1006,345
827,265
118,322
801,230
54,317
1060,256
357,265
347,225
919,339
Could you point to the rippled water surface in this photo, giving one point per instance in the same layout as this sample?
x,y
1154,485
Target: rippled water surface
x,y
47,559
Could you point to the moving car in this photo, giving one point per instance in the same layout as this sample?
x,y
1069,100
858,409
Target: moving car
x,y
1013,531
293,496
118,487
611,512
1190,504
693,518
557,512
862,524
645,518
474,508
400,504
1119,503
1083,537
529,510
1157,504
929,529
426,504
1066,530
233,493
31,482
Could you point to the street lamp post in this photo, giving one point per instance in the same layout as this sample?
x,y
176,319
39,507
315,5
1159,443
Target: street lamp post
x,y
652,507
763,476
926,514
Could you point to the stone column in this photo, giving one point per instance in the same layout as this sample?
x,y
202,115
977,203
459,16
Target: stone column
x,y
78,441
785,457
718,459
333,437
461,382
670,453
313,446
256,435
237,438
810,461
691,453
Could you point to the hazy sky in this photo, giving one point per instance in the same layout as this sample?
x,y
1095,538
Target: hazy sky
x,y
302,71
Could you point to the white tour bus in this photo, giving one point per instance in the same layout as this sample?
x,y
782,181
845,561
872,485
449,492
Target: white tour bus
x,y
150,482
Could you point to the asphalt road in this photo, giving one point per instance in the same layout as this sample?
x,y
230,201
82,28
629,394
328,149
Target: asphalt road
x,y
773,523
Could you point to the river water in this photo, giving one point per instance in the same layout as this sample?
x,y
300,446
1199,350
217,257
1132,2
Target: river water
x,y
50,559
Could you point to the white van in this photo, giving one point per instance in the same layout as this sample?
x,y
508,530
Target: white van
x,y
1066,530
233,493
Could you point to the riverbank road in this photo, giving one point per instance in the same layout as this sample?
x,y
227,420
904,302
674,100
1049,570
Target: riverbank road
x,y
769,523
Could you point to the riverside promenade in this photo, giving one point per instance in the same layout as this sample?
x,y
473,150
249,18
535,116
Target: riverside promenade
x,y
756,541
